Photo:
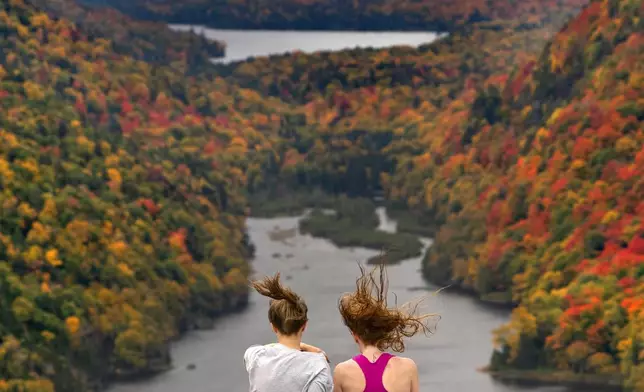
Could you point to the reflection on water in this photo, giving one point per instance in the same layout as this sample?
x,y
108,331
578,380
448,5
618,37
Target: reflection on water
x,y
447,361
241,44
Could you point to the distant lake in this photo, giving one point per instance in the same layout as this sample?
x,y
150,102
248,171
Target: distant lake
x,y
241,44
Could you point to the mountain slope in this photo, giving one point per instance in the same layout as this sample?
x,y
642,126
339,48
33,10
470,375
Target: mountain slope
x,y
433,15
360,111
542,201
147,41
122,212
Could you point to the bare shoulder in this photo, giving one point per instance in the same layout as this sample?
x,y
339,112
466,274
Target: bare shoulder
x,y
405,364
345,367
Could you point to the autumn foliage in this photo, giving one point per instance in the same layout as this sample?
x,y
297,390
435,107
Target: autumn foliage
x,y
124,169
542,206
436,15
117,232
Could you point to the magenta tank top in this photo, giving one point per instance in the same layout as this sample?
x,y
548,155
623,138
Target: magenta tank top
x,y
373,371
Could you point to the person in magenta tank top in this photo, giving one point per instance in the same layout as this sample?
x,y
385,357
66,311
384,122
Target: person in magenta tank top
x,y
376,328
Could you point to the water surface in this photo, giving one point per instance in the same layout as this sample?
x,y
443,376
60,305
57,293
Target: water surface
x,y
241,44
320,272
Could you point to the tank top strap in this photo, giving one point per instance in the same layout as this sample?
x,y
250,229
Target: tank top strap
x,y
373,371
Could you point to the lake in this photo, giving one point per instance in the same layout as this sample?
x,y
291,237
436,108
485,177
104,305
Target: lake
x,y
241,44
320,273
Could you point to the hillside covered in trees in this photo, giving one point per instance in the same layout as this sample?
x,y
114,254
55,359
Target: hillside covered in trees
x,y
541,197
437,15
126,159
122,208
148,41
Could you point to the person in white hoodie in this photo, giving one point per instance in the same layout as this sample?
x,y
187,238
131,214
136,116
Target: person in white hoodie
x,y
288,365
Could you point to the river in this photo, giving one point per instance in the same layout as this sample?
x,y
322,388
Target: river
x,y
320,272
241,44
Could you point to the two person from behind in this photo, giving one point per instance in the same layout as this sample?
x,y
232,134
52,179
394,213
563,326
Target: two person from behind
x,y
375,328
288,365
292,366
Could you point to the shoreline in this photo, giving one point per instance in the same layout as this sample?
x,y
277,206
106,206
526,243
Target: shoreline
x,y
589,382
374,24
585,382
489,303
185,27
165,363
527,378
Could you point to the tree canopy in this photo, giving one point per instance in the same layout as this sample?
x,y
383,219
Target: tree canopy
x,y
126,159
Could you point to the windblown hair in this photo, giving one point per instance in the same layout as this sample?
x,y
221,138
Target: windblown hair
x,y
366,314
287,311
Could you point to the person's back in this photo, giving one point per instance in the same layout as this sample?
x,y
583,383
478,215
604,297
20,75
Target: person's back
x,y
277,368
388,373
288,365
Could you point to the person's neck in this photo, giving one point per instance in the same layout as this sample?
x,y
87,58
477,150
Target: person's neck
x,y
293,341
368,350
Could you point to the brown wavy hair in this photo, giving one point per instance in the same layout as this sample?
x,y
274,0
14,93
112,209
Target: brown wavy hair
x,y
287,311
366,314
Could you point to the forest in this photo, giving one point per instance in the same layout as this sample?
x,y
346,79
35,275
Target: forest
x,y
128,165
122,201
434,15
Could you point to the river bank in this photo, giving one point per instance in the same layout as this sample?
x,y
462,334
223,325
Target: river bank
x,y
585,382
210,360
349,226
334,228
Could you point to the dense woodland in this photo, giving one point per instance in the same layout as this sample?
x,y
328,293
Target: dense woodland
x,y
125,165
148,41
436,15
122,207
